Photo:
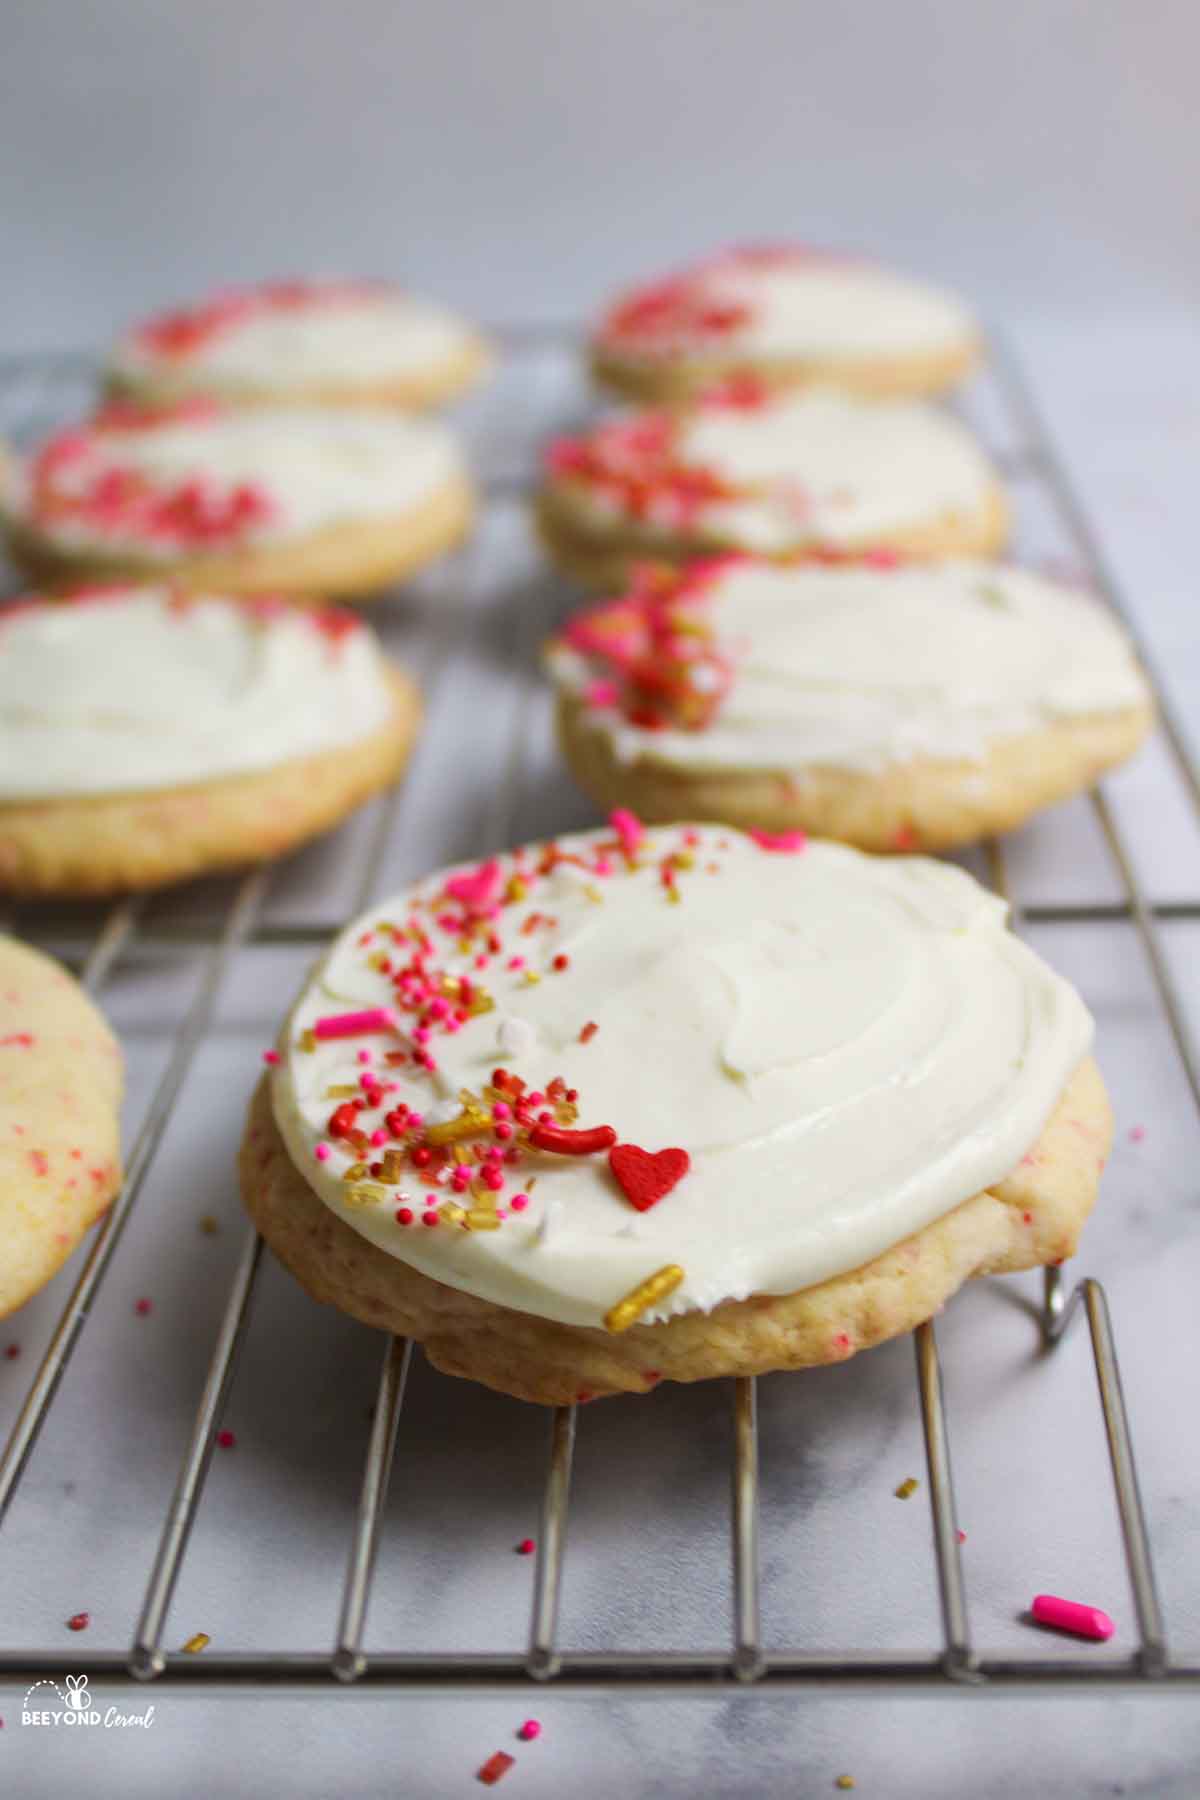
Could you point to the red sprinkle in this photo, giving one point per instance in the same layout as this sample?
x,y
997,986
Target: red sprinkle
x,y
589,1031
79,1621
143,1307
526,1547
11,1352
572,1143
494,1768
647,1177
226,1440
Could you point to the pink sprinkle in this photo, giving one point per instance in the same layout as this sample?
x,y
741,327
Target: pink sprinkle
x,y
379,1138
474,890
364,1056
601,693
321,1152
787,841
519,1202
1137,1133
628,827
516,962
1070,1615
271,1057
339,1025
226,1440
961,1536
502,1110
530,1729
143,1308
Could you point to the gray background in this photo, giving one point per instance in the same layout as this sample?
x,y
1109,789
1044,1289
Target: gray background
x,y
517,156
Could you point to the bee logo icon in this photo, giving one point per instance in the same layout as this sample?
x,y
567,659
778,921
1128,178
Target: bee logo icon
x,y
78,1697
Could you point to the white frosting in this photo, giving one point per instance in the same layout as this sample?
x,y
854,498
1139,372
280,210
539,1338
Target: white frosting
x,y
368,338
136,691
316,469
814,467
847,1048
817,307
860,668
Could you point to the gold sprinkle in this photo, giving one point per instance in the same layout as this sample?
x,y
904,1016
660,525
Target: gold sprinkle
x,y
907,1487
366,1194
845,1782
209,1226
355,1172
531,978
593,893
198,1641
640,1299
379,961
452,1213
673,895
308,1040
469,1123
341,1092
462,1153
516,889
391,1166
683,859
479,1220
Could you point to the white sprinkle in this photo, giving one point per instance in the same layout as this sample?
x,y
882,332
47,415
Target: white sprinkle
x,y
551,1221
515,1036
705,679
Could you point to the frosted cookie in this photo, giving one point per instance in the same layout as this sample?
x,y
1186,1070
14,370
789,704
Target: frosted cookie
x,y
916,707
308,503
148,735
789,316
647,1104
60,1095
815,473
301,343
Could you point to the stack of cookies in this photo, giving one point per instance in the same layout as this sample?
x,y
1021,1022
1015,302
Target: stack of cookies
x,y
733,1082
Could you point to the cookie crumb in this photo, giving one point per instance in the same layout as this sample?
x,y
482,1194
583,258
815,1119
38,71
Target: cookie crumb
x,y
908,1486
209,1225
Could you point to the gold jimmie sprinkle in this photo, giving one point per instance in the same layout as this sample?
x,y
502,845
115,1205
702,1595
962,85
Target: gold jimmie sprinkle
x,y
478,1219
308,1040
198,1641
640,1299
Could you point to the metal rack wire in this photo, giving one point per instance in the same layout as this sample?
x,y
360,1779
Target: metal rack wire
x,y
32,392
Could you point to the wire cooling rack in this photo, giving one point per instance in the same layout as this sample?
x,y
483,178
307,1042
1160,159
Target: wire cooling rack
x,y
221,922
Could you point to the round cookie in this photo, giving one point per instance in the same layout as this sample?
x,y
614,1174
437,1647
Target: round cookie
x,y
814,473
149,735
340,344
917,707
304,502
60,1095
647,1104
790,316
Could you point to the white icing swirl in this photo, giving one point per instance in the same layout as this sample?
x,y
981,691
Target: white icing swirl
x,y
813,467
861,668
314,469
846,1047
135,690
339,336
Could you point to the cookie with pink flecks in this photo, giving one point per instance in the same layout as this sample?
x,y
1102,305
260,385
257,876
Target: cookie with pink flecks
x,y
789,315
60,1092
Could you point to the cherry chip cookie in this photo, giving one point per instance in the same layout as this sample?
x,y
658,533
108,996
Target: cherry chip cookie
x,y
301,343
789,316
665,1104
307,502
60,1093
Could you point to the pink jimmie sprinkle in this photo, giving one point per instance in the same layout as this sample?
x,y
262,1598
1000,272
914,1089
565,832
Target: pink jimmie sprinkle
x,y
474,890
532,1728
339,1025
628,827
270,1057
786,841
1070,1615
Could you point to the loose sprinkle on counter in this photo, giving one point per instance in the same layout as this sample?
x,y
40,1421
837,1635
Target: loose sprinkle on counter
x,y
1072,1616
226,1439
79,1621
198,1641
526,1547
845,1782
11,1352
143,1307
494,1768
907,1487
1137,1134
270,1057
209,1225
532,1728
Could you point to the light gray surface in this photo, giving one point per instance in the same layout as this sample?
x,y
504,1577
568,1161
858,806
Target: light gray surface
x,y
845,1563
520,157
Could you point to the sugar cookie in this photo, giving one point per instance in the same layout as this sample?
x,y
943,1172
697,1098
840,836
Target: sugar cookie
x,y
148,735
649,1102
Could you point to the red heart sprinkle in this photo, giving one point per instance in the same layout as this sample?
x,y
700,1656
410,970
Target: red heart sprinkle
x,y
646,1177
